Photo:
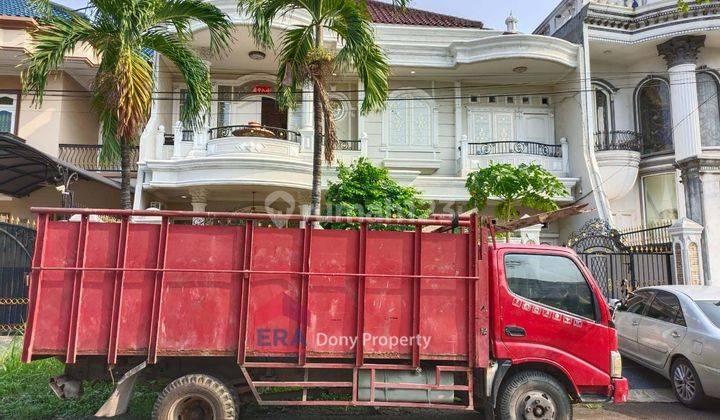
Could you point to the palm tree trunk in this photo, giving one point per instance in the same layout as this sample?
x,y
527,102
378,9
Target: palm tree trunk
x,y
315,196
125,189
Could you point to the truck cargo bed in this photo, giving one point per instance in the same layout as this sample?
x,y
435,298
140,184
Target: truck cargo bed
x,y
177,289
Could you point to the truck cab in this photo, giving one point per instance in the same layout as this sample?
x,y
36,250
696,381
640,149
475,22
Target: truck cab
x,y
550,316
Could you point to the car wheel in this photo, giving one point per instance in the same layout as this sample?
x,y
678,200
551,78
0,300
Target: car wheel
x,y
533,395
686,383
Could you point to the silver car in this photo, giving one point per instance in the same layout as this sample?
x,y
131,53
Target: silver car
x,y
674,330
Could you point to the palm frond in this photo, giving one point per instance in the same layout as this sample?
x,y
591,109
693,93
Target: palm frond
x,y
180,13
262,13
351,22
193,70
292,74
52,40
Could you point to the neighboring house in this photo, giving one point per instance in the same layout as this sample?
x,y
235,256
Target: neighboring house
x,y
461,97
651,75
64,127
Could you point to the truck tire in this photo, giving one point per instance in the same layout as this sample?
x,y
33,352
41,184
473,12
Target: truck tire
x,y
197,396
533,395
686,383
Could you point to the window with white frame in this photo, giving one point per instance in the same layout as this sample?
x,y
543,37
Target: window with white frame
x,y
652,102
8,112
410,120
603,109
659,198
340,105
709,109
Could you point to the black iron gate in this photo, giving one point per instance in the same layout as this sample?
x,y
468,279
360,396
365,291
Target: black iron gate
x,y
16,247
624,260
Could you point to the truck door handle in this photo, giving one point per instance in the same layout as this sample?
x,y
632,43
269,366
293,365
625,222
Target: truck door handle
x,y
636,323
675,334
514,331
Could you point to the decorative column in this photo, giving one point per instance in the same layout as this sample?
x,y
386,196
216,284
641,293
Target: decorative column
x,y
686,241
201,134
177,140
198,200
565,149
464,159
700,176
159,142
307,129
681,54
701,184
458,127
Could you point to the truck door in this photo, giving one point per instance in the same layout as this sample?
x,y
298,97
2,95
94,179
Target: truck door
x,y
548,312
661,329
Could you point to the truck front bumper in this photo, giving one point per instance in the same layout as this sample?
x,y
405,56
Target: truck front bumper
x,y
620,390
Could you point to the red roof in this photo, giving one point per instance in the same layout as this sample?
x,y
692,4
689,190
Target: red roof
x,y
387,13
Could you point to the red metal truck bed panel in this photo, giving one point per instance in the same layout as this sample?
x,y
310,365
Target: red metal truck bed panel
x,y
175,289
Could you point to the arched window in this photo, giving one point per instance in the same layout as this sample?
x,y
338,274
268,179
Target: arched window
x,y
8,113
709,109
603,108
341,114
410,120
653,116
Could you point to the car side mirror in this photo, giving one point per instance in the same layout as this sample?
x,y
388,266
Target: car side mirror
x,y
614,305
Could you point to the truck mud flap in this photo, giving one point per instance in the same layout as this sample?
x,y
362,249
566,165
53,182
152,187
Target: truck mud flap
x,y
117,402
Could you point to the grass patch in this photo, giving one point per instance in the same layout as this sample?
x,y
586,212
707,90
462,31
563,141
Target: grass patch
x,y
25,394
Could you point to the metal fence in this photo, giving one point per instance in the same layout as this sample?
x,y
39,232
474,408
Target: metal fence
x,y
253,130
87,156
522,147
16,247
625,260
618,140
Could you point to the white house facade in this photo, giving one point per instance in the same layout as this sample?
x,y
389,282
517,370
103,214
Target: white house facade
x,y
651,78
461,97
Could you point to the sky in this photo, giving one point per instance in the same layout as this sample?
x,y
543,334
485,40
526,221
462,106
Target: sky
x,y
492,12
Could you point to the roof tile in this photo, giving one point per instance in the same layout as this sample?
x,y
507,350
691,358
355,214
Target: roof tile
x,y
387,13
25,8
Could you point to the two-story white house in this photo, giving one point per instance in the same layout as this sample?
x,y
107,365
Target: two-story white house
x,y
651,77
461,96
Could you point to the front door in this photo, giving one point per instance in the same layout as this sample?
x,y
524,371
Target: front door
x,y
548,312
661,329
272,115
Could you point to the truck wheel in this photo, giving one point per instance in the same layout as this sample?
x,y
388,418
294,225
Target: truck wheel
x,y
533,395
197,397
686,383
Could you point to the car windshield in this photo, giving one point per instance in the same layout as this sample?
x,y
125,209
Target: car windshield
x,y
711,308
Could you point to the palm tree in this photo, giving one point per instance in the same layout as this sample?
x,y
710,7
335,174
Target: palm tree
x,y
303,59
124,34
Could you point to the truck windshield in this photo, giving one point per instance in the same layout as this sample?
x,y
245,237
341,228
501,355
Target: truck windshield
x,y
711,308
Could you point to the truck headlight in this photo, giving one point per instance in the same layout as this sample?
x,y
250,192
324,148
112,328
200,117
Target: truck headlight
x,y
615,364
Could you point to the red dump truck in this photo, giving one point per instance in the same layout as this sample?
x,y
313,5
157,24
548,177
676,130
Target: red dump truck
x,y
265,308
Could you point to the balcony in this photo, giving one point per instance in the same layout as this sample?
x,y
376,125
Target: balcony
x,y
618,140
552,157
249,155
87,156
618,157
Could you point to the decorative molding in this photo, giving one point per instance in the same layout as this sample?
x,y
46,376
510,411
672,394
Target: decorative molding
x,y
681,49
